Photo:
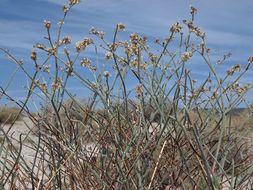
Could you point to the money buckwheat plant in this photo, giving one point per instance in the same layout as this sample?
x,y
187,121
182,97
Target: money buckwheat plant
x,y
147,124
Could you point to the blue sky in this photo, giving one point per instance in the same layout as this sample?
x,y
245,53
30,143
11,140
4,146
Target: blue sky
x,y
228,25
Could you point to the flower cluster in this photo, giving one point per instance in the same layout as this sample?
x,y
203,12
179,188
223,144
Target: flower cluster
x,y
34,55
51,51
197,91
46,68
69,68
85,62
186,56
43,87
56,85
120,27
73,2
135,63
40,46
128,50
108,55
135,39
240,89
233,69
214,95
99,34
176,28
194,29
139,90
152,57
66,40
65,9
193,10
80,45
47,24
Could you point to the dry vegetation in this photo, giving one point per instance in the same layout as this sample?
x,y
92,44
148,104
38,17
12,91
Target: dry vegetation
x,y
9,114
168,132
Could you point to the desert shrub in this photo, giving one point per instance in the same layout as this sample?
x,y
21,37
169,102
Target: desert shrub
x,y
166,132
9,114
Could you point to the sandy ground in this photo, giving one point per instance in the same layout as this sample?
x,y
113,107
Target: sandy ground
x,y
21,128
25,128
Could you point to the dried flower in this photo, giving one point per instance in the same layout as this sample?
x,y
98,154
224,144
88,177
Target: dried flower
x,y
51,51
106,74
194,29
143,66
233,69
215,95
189,24
34,55
135,49
139,90
152,57
85,62
80,45
186,56
114,45
94,31
46,68
73,2
108,55
135,38
69,63
60,22
134,63
202,47
47,24
66,40
199,33
70,71
241,89
101,34
157,41
128,49
120,27
176,28
94,85
250,60
65,8
56,85
40,46
195,93
87,41
193,10
43,87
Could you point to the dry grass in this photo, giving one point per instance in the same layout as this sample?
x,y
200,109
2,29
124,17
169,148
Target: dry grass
x,y
9,115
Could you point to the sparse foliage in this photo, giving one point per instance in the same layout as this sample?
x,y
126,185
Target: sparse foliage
x,y
164,131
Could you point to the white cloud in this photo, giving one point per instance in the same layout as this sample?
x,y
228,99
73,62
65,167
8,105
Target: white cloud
x,y
19,34
227,38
